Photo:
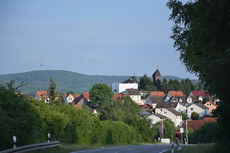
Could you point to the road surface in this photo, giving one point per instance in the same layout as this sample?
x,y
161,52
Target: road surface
x,y
156,148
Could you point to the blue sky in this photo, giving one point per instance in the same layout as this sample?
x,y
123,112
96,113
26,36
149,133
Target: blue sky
x,y
105,37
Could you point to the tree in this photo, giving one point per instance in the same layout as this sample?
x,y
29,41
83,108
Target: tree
x,y
70,92
184,116
18,118
195,116
147,84
52,91
165,86
100,95
202,34
168,127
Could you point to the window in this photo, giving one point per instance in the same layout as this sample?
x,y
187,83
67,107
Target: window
x,y
191,108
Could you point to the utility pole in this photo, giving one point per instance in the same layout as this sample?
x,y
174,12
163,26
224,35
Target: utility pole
x,y
187,131
162,129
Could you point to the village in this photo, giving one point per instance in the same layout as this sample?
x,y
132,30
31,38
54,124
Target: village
x,y
197,107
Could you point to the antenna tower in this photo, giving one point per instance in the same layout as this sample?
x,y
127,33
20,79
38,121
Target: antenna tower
x,y
42,65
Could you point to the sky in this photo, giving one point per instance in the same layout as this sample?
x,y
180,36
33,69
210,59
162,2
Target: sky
x,y
102,37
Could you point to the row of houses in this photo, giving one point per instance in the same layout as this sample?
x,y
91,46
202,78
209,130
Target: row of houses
x,y
159,106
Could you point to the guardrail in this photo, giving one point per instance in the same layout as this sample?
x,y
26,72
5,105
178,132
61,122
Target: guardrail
x,y
31,147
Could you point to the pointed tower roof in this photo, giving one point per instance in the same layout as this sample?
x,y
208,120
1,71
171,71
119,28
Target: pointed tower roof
x,y
131,80
157,73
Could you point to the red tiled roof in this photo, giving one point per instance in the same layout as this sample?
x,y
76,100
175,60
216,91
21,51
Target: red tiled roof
x,y
78,106
147,105
176,93
200,93
40,93
210,119
119,96
157,93
86,95
196,124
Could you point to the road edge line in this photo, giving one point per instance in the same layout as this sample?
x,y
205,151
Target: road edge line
x,y
163,151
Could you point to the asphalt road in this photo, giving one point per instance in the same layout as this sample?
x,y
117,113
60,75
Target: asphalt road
x,y
156,148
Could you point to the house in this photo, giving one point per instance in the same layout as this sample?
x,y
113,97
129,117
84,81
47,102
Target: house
x,y
78,106
42,95
170,113
148,108
197,96
196,124
179,107
131,83
175,96
154,100
211,105
144,93
199,93
156,76
198,108
69,98
93,111
157,93
83,99
156,118
134,95
143,112
190,100
119,97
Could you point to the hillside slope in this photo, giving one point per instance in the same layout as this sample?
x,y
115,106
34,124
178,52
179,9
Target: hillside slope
x,y
66,80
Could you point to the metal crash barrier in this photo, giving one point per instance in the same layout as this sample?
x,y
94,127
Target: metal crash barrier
x,y
31,147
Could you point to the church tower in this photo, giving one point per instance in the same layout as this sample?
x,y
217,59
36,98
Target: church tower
x,y
156,76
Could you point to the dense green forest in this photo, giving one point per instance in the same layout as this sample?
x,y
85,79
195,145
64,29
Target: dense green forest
x,y
66,80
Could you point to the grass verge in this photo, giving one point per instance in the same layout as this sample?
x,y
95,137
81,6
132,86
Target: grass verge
x,y
201,148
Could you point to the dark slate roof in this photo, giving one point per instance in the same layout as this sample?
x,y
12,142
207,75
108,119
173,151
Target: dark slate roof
x,y
160,116
201,106
167,105
133,91
79,98
157,73
156,99
173,111
177,98
143,112
131,80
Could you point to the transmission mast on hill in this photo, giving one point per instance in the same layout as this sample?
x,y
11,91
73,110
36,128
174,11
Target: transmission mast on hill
x,y
42,65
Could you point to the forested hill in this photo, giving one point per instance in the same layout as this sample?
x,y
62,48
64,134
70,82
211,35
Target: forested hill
x,y
66,80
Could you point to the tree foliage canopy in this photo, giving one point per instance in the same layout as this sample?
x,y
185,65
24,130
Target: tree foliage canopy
x,y
202,34
147,84
100,94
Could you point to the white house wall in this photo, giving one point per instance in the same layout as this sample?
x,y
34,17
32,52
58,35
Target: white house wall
x,y
154,119
136,98
120,87
198,110
177,120
180,108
